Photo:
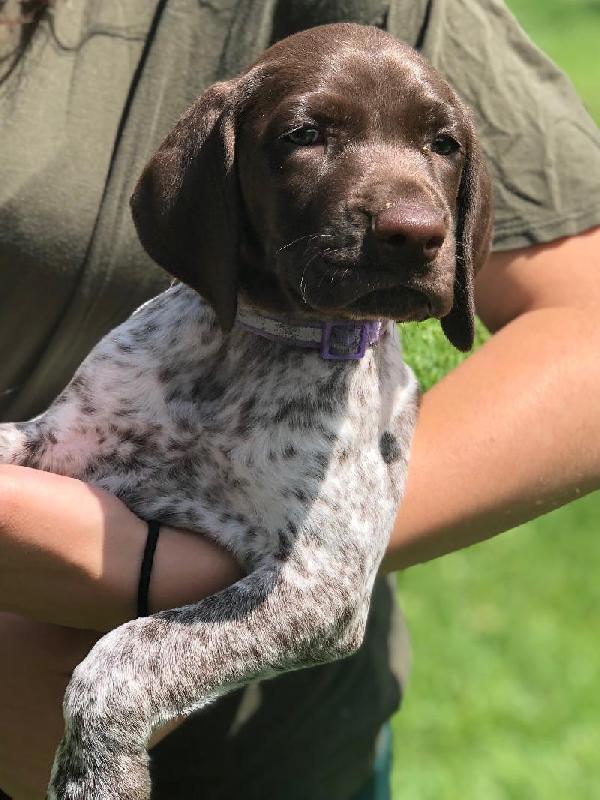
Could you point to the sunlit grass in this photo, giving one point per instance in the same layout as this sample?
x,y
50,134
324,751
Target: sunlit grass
x,y
503,700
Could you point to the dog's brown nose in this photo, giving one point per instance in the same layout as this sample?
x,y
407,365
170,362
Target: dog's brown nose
x,y
421,229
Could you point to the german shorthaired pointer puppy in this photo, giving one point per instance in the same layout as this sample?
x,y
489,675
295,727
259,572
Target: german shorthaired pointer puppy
x,y
334,186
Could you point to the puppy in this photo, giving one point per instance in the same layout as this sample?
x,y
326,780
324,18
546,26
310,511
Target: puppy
x,y
335,186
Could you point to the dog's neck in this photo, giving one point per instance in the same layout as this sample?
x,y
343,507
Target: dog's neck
x,y
336,340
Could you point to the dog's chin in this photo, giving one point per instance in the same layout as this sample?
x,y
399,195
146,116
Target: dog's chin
x,y
402,304
331,291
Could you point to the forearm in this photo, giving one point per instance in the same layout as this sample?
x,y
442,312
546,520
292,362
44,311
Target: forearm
x,y
510,434
70,555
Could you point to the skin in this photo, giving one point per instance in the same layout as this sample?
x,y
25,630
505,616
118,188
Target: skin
x,y
58,593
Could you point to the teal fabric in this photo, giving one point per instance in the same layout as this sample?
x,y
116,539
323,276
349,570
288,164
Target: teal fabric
x,y
379,786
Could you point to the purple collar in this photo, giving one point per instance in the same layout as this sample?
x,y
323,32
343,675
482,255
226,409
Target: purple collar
x,y
345,340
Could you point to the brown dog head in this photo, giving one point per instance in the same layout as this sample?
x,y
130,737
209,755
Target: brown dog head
x,y
338,177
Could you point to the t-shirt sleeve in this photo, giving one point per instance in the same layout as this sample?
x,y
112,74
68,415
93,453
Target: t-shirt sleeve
x,y
542,146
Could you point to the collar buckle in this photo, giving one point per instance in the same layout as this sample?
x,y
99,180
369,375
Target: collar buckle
x,y
344,341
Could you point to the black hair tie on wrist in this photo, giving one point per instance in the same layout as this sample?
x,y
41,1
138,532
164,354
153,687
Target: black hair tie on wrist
x,y
146,568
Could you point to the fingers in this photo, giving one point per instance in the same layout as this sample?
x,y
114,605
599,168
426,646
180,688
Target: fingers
x,y
36,663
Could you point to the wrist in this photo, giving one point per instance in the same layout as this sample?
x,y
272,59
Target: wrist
x,y
188,567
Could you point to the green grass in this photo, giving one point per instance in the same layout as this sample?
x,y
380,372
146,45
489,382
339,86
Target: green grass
x,y
428,351
503,701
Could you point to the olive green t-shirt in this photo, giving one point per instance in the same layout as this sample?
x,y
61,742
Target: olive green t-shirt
x,y
89,103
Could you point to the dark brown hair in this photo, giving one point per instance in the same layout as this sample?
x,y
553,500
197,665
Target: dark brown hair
x,y
32,12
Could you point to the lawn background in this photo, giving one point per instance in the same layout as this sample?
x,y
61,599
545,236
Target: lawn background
x,y
503,702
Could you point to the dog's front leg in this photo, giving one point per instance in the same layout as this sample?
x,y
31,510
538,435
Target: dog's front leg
x,y
153,669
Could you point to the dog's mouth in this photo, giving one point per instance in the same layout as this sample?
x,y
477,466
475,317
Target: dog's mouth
x,y
351,292
402,305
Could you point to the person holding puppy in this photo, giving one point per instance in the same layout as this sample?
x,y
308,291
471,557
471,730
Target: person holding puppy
x,y
84,105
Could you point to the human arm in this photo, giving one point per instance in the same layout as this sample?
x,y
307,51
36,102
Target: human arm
x,y
511,433
70,555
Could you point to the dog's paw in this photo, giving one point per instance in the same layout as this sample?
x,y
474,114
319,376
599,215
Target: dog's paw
x,y
98,774
107,724
99,760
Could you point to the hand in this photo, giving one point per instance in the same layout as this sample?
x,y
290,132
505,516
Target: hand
x,y
35,668
70,555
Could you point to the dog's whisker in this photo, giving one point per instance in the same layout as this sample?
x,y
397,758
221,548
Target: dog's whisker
x,y
306,237
302,286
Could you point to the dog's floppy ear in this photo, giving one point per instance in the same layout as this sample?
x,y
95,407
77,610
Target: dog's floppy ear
x,y
473,238
186,204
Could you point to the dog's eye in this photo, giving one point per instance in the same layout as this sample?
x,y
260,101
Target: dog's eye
x,y
304,137
444,145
